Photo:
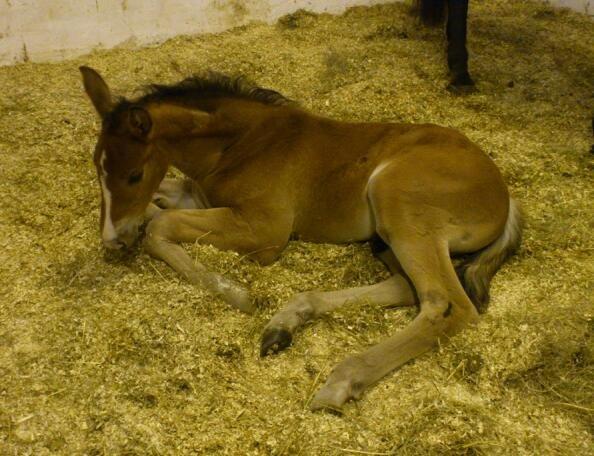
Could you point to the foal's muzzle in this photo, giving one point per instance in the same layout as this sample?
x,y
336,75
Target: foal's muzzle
x,y
125,238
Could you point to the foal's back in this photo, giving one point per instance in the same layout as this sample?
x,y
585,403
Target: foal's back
x,y
326,169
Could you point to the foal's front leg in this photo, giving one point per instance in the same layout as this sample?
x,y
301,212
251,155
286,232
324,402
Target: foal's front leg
x,y
223,228
180,194
175,194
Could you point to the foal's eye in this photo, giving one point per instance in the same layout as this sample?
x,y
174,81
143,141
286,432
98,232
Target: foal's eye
x,y
135,177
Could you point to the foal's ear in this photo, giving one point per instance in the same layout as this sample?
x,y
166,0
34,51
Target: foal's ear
x,y
139,122
97,90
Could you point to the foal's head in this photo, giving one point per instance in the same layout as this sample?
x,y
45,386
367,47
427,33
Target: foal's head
x,y
128,165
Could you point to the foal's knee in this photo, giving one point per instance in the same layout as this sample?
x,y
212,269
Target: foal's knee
x,y
156,229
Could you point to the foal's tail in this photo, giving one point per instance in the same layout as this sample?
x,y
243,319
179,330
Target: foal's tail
x,y
476,272
431,12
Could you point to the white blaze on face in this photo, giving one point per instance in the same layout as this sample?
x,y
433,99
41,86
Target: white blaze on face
x,y
109,233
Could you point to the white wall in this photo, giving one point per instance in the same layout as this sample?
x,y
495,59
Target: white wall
x,y
48,30
582,6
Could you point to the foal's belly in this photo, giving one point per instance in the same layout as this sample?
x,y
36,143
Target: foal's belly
x,y
335,207
339,219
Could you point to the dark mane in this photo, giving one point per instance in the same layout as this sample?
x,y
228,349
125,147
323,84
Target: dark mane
x,y
196,88
214,84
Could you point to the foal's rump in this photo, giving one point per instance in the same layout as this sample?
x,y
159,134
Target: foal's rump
x,y
442,187
438,178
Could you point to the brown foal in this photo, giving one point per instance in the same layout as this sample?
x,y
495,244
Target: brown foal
x,y
261,170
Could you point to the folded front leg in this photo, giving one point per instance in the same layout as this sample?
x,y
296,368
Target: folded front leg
x,y
151,210
223,228
180,194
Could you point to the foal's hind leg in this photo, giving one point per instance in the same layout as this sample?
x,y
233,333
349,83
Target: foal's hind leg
x,y
278,333
445,310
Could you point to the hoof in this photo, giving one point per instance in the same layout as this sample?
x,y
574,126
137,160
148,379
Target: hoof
x,y
234,294
275,340
241,300
332,397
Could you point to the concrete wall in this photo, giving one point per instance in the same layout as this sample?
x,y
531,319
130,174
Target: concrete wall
x,y
582,6
49,30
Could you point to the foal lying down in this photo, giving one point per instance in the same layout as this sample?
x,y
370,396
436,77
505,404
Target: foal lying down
x,y
261,170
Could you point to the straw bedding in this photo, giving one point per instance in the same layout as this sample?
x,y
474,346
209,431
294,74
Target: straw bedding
x,y
114,354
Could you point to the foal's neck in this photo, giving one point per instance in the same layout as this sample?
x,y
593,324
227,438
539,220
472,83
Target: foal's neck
x,y
196,157
199,153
